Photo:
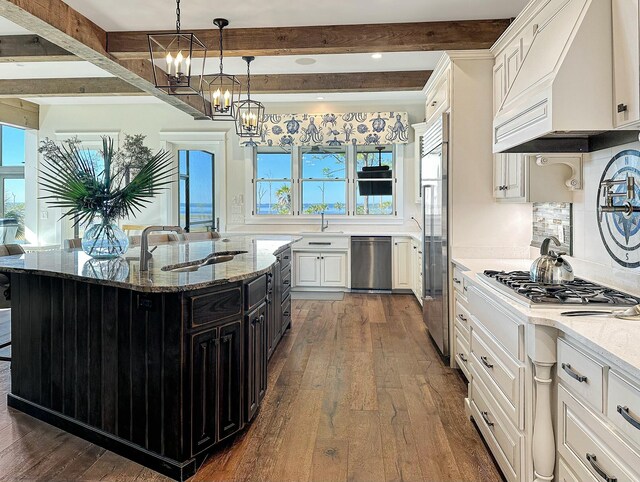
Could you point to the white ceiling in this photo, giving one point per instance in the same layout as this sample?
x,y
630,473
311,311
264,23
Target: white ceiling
x,y
9,28
160,14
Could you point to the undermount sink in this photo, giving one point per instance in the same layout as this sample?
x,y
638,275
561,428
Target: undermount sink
x,y
213,258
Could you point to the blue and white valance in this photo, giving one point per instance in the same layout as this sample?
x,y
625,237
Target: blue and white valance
x,y
358,128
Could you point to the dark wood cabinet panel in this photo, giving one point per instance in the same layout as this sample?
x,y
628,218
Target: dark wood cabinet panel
x,y
256,292
216,306
230,380
286,313
285,257
204,382
256,371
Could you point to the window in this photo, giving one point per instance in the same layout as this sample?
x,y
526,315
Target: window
x,y
273,174
196,190
12,185
323,181
375,182
337,181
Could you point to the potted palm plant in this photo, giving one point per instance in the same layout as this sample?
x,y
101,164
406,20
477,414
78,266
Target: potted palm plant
x,y
97,193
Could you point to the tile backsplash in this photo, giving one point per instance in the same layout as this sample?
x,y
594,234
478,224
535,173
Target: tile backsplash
x,y
552,219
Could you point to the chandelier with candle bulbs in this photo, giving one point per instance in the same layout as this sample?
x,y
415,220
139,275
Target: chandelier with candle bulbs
x,y
221,91
249,113
178,60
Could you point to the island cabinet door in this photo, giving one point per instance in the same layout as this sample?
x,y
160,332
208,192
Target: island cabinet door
x,y
256,359
204,383
229,379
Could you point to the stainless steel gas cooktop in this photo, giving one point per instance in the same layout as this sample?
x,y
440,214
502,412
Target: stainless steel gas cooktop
x,y
518,286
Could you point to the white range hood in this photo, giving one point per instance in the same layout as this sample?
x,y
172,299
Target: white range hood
x,y
561,97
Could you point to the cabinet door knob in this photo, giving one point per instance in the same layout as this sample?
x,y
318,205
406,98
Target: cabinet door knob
x,y
622,108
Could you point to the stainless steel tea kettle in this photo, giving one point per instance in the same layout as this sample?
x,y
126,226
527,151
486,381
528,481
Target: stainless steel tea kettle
x,y
550,268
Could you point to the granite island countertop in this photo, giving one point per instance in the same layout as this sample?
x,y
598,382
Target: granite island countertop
x,y
125,272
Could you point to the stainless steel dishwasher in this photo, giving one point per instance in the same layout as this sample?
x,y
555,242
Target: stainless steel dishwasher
x,y
371,263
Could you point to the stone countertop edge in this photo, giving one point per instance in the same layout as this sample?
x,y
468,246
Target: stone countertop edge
x,y
233,271
611,338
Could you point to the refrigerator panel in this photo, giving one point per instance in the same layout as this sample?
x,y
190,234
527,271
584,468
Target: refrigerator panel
x,y
435,225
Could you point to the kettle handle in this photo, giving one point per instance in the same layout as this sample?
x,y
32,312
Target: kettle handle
x,y
544,247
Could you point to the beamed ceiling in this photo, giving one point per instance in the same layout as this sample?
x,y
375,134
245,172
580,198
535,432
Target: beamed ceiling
x,y
304,49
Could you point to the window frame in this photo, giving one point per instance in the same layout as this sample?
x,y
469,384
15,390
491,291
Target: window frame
x,y
12,172
255,180
397,216
393,179
299,208
209,224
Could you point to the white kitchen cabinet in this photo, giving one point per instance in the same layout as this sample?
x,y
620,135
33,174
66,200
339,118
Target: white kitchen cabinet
x,y
333,270
307,269
626,62
320,270
522,178
402,265
438,97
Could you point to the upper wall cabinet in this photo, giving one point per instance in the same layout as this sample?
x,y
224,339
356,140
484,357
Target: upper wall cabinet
x,y
626,62
438,96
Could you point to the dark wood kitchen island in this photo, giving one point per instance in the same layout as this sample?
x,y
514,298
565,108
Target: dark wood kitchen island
x,y
159,367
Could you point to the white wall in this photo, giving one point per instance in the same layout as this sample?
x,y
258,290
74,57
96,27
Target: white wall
x,y
162,123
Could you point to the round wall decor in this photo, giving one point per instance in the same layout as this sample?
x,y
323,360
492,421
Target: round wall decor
x,y
618,195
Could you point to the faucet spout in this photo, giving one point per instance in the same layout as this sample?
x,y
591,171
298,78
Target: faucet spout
x,y
145,254
323,225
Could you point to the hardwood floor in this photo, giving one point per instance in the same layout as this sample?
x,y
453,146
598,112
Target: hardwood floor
x,y
356,392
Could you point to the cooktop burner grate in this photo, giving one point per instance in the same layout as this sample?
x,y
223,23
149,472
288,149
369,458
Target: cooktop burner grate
x,y
577,292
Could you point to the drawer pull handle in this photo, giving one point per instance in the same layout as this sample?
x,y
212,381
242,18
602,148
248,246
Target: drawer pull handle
x,y
485,417
624,411
485,362
286,282
456,281
462,357
594,463
573,374
319,243
462,318
286,313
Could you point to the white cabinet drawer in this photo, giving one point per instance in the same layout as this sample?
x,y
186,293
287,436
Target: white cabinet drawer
x,y
502,374
589,447
623,406
462,352
566,475
463,318
458,281
495,320
503,439
322,243
581,373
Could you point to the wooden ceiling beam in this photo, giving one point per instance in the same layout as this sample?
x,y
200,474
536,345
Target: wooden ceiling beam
x,y
31,48
58,23
331,39
338,82
66,87
20,113
260,84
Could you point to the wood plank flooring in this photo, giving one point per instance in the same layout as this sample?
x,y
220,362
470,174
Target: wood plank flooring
x,y
356,392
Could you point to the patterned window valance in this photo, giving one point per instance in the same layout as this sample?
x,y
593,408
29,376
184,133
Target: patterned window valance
x,y
358,128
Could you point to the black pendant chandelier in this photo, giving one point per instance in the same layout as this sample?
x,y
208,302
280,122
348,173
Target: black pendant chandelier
x,y
221,91
249,113
175,56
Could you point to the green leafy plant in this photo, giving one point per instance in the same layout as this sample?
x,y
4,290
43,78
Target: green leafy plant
x,y
86,189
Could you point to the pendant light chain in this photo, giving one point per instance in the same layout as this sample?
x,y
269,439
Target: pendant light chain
x,y
221,56
249,80
177,16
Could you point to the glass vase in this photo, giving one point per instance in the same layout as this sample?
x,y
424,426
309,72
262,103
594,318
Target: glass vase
x,y
104,240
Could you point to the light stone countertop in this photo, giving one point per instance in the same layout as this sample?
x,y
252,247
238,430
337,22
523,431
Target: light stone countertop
x,y
125,272
614,339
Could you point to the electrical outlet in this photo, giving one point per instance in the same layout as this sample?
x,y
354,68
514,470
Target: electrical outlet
x,y
44,214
